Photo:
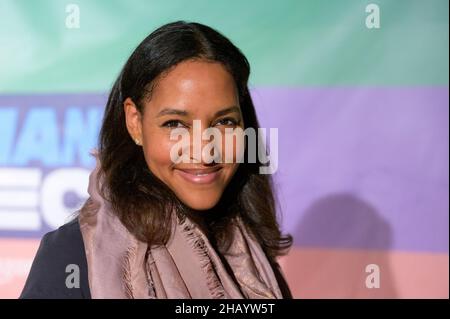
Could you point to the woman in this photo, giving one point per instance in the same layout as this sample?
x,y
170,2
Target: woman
x,y
158,228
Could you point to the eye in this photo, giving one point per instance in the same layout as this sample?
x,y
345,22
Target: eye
x,y
228,121
173,124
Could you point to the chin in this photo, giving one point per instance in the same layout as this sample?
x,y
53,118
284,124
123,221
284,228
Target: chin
x,y
202,202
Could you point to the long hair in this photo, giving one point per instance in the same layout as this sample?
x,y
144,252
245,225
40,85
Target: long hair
x,y
143,202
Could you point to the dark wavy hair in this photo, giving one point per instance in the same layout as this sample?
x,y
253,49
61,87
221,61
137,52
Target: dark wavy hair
x,y
143,202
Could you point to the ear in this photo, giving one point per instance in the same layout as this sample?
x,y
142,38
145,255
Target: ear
x,y
133,119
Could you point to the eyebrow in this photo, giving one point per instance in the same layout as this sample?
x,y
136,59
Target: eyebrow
x,y
171,111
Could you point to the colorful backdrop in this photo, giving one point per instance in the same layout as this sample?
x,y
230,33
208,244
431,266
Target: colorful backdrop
x,y
362,114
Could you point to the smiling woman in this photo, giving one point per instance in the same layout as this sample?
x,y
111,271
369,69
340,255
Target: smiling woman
x,y
155,228
195,89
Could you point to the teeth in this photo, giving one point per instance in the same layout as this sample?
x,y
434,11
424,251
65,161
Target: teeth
x,y
201,174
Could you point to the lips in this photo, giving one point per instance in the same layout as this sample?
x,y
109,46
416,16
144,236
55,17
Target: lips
x,y
199,175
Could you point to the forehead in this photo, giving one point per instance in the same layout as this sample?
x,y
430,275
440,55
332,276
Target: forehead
x,y
195,86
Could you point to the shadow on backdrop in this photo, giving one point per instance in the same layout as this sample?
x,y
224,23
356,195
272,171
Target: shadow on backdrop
x,y
337,237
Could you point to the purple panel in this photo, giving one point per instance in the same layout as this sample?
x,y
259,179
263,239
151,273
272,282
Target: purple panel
x,y
358,167
362,167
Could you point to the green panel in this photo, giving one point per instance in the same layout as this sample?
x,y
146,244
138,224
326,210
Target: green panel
x,y
288,43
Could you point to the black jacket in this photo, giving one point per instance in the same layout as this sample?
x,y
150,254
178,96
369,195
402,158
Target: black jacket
x,y
47,277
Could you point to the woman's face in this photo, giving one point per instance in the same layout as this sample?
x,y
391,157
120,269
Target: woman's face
x,y
192,90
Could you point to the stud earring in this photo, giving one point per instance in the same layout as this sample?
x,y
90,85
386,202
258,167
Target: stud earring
x,y
137,141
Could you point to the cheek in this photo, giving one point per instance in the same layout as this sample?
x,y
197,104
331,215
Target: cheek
x,y
229,169
156,149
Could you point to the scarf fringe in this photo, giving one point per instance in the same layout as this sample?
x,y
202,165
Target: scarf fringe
x,y
130,255
198,245
151,284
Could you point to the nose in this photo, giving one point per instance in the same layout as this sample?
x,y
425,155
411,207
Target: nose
x,y
201,147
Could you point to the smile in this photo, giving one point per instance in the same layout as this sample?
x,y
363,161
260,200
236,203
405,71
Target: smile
x,y
199,176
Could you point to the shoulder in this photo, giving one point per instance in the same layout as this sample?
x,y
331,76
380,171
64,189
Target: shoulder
x,y
59,264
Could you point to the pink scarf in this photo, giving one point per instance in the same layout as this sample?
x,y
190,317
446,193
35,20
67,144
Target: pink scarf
x,y
120,266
